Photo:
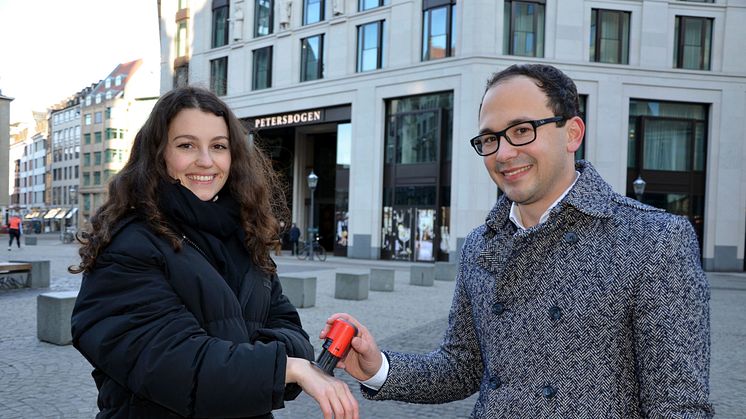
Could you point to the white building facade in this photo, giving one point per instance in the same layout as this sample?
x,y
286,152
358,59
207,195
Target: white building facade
x,y
380,97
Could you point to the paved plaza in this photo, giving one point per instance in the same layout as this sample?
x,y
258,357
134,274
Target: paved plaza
x,y
41,380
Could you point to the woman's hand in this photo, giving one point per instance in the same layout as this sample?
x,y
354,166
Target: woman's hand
x,y
332,395
364,358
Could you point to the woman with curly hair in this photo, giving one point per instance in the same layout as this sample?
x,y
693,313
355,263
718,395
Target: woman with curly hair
x,y
180,310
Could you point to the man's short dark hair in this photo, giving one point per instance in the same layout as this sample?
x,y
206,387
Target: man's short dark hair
x,y
561,92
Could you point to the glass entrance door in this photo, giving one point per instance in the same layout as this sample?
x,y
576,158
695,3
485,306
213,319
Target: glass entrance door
x,y
670,158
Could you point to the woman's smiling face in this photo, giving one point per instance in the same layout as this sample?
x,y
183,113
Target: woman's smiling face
x,y
198,152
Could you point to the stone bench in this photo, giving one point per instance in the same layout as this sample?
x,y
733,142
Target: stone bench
x,y
22,273
351,285
29,240
300,289
422,275
381,279
445,271
53,312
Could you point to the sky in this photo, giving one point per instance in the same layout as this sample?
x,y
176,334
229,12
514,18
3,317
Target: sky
x,y
51,49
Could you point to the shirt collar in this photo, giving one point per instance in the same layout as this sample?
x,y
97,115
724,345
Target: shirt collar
x,y
515,214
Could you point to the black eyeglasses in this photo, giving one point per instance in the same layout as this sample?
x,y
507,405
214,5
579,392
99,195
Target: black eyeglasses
x,y
516,135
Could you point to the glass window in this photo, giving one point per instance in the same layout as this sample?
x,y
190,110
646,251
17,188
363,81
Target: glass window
x,y
438,40
262,76
87,138
86,159
97,118
219,23
181,39
692,42
97,158
609,36
416,128
108,113
312,58
219,76
370,4
97,136
88,119
98,98
370,46
86,179
524,28
263,17
96,178
313,11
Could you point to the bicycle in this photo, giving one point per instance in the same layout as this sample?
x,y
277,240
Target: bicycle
x,y
319,253
68,236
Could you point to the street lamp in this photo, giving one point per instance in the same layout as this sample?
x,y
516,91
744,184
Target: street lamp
x,y
313,180
639,187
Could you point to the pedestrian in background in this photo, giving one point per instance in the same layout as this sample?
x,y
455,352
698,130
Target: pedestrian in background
x,y
571,300
15,230
294,237
180,310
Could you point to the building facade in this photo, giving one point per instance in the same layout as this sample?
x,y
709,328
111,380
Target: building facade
x,y
5,177
111,114
64,160
380,97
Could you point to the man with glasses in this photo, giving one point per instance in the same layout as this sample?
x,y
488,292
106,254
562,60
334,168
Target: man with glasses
x,y
571,300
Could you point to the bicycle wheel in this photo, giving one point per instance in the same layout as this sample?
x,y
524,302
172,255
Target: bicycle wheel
x,y
320,253
302,252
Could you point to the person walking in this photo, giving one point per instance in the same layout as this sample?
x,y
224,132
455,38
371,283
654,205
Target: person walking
x,y
14,231
180,310
294,237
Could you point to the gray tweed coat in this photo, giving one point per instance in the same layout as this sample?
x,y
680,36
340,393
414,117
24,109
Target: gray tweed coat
x,y
602,311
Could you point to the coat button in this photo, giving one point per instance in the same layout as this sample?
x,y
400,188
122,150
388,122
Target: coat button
x,y
571,237
498,308
548,392
495,383
555,313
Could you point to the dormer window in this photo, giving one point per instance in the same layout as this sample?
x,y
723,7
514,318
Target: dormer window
x,y
118,81
108,94
88,101
98,98
107,83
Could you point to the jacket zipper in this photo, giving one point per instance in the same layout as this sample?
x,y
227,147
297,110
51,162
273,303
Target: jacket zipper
x,y
194,245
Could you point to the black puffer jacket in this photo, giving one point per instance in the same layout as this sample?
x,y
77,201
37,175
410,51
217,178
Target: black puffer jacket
x,y
168,337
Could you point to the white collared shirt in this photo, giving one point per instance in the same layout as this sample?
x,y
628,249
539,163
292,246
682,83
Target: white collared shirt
x,y
515,214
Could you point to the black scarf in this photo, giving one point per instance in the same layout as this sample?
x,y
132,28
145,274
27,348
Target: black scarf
x,y
213,227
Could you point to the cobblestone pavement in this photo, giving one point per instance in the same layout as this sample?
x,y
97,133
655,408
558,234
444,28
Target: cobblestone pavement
x,y
40,380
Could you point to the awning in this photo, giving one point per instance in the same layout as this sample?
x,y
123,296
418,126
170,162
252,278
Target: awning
x,y
60,215
52,213
32,215
71,212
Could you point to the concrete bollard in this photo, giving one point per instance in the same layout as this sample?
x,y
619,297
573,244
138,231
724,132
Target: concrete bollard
x,y
300,290
351,285
422,275
382,279
40,273
53,312
445,271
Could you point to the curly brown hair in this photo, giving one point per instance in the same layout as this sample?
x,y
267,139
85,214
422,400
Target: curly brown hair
x,y
252,182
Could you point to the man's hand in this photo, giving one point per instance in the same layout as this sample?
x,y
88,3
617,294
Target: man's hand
x,y
364,358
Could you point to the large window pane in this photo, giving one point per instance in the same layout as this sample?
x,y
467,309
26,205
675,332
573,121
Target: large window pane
x,y
369,50
370,4
312,58
219,76
313,11
263,14
262,77
524,28
219,26
438,40
692,42
610,36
